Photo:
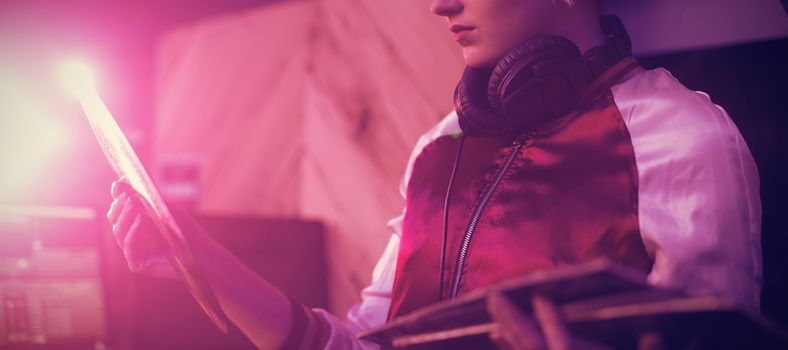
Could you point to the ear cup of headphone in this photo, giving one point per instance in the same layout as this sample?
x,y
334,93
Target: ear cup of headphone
x,y
470,103
519,61
538,81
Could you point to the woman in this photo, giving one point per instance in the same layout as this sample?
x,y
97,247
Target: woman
x,y
563,158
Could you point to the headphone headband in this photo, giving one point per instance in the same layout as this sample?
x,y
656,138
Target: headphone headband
x,y
536,82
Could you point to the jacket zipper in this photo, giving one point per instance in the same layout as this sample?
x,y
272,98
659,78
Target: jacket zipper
x,y
462,256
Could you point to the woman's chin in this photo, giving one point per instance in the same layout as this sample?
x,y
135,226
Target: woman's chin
x,y
478,58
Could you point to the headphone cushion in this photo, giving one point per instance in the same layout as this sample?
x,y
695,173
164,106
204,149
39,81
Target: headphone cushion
x,y
470,103
523,56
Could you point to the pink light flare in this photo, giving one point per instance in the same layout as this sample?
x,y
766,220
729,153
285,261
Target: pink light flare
x,y
78,79
32,136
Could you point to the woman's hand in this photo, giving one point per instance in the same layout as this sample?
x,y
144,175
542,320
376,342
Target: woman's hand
x,y
260,310
133,229
517,331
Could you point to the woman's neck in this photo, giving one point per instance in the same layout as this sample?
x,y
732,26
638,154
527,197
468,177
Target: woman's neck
x,y
580,24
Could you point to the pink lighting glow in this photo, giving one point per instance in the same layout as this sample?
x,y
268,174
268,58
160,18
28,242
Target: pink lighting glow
x,y
77,77
31,139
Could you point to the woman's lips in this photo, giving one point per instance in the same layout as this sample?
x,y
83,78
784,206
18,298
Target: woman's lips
x,y
461,32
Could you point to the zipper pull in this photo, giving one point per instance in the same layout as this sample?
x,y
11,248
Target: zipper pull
x,y
520,139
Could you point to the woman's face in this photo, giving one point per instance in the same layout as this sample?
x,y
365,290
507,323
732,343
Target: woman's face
x,y
487,29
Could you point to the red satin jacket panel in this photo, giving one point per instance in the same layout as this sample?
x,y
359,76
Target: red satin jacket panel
x,y
570,196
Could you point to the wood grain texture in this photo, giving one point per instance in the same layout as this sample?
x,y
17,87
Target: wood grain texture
x,y
230,92
309,108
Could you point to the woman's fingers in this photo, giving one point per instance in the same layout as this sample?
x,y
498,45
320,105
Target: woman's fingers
x,y
115,208
512,326
545,330
498,339
128,213
651,341
553,327
119,187
130,250
131,227
131,230
556,334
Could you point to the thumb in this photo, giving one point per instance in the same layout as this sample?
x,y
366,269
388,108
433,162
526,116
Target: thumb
x,y
552,324
512,326
121,186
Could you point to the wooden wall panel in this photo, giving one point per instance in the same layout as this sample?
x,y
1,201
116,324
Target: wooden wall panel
x,y
350,85
229,92
385,73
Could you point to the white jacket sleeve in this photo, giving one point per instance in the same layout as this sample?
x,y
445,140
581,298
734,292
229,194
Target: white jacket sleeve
x,y
699,204
318,329
373,309
325,331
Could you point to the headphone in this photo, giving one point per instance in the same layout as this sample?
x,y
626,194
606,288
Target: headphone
x,y
537,82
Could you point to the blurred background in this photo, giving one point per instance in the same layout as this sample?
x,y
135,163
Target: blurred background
x,y
284,127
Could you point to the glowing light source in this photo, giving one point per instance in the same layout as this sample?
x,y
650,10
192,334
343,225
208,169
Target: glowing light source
x,y
32,137
77,77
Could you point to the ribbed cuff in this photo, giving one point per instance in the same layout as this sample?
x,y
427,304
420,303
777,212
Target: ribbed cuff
x,y
307,330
